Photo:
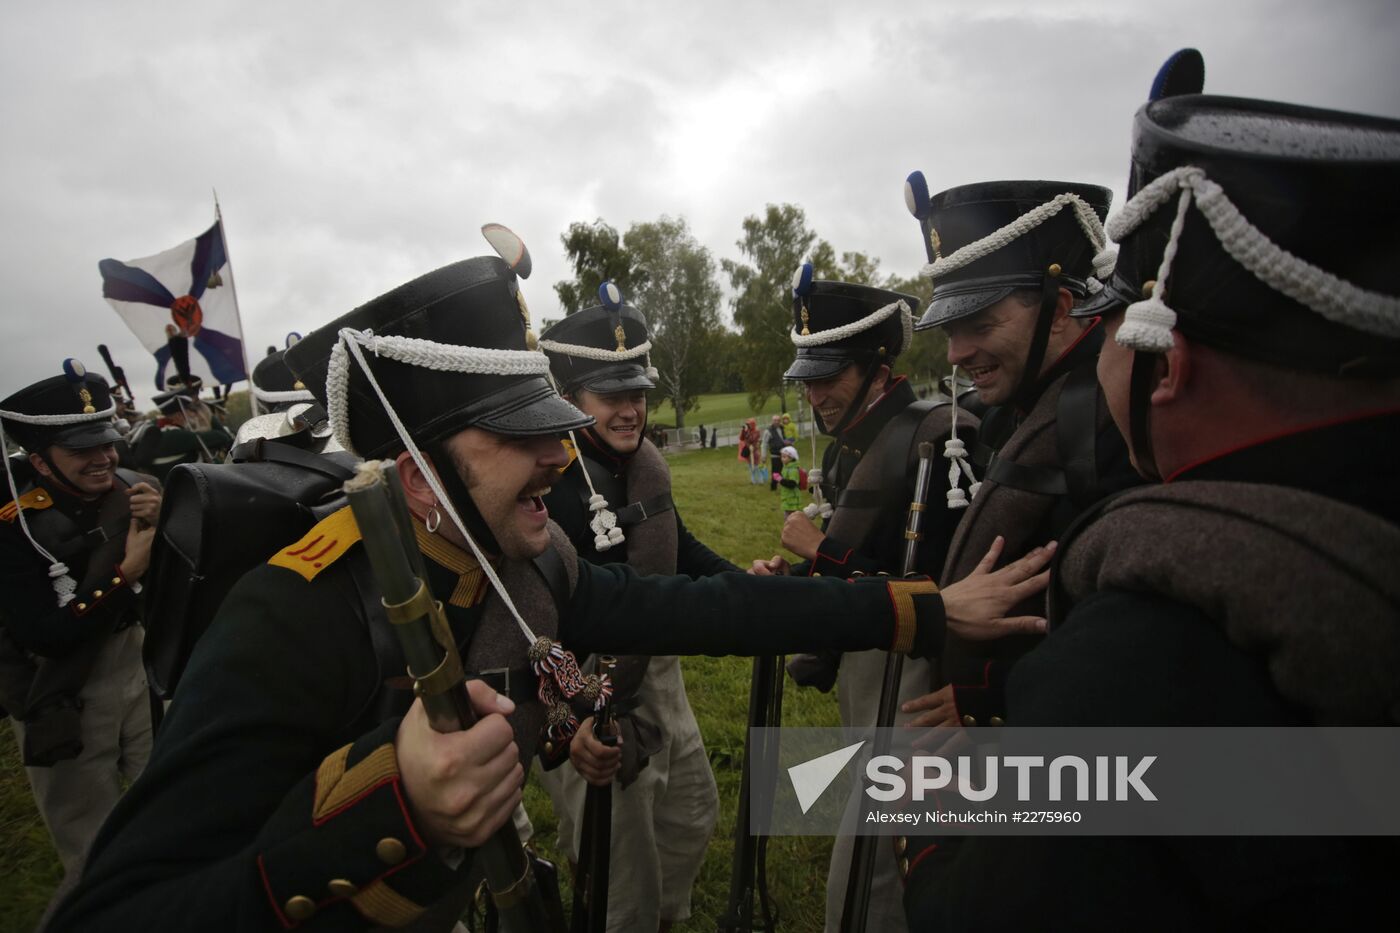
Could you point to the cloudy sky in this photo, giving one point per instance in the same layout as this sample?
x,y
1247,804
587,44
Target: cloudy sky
x,y
356,145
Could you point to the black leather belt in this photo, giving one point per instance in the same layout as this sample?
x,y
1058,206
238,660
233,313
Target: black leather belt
x,y
638,512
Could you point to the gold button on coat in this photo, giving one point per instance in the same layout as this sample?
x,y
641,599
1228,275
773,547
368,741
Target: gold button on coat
x,y
340,887
391,851
901,845
904,868
997,721
116,581
969,721
96,594
299,908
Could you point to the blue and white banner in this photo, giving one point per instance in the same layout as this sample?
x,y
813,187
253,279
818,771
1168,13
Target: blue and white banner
x,y
186,290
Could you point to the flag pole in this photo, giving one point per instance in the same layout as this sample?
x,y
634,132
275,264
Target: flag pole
x,y
253,407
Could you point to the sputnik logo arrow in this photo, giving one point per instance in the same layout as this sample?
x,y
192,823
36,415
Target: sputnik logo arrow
x,y
811,778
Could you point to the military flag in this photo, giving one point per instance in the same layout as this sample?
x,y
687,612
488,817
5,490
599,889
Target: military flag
x,y
185,292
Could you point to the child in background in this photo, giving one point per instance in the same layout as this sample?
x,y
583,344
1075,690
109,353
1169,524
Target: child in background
x,y
789,493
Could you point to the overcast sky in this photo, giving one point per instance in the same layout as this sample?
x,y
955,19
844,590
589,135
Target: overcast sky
x,y
357,145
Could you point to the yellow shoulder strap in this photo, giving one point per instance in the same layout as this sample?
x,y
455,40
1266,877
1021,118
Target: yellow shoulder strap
x,y
35,498
322,546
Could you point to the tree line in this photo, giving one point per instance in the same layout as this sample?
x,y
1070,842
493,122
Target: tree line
x,y
664,271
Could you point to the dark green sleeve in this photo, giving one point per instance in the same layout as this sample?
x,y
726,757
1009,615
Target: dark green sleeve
x,y
265,781
616,611
693,558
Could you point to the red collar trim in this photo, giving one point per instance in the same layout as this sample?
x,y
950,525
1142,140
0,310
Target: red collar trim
x,y
1278,435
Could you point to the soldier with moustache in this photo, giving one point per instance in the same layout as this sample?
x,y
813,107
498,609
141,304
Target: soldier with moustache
x,y
848,338
1252,360
319,797
75,543
614,503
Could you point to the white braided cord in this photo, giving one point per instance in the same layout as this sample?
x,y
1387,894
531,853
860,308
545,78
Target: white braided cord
x,y
288,395
596,353
956,453
415,351
78,418
64,586
823,337
1089,222
1335,299
353,340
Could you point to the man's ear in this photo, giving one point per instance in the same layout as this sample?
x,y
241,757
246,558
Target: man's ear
x,y
1063,306
40,466
416,491
1172,372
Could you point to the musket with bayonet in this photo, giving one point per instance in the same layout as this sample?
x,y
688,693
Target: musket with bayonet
x,y
434,664
590,909
862,874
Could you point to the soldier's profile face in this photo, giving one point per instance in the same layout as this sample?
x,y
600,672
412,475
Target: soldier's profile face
x,y
507,478
91,470
620,416
991,347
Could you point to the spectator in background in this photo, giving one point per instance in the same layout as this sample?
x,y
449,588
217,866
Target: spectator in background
x,y
790,496
702,437
789,430
775,441
749,442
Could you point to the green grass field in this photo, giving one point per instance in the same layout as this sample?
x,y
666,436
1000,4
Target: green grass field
x,y
736,519
723,409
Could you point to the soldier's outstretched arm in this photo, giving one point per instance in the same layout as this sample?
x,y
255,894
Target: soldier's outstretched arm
x,y
615,610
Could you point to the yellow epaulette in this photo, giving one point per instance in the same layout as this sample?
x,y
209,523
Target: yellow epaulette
x,y
33,499
572,452
320,547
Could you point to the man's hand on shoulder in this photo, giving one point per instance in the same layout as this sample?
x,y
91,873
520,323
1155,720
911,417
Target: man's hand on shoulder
x,y
801,537
461,786
975,607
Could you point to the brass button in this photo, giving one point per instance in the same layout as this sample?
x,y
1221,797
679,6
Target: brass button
x,y
82,607
816,573
299,907
969,721
998,721
904,868
1054,269
901,845
39,498
116,581
340,887
549,748
1147,287
390,851
96,594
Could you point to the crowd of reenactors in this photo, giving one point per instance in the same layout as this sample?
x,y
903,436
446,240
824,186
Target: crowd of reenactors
x,y
1194,432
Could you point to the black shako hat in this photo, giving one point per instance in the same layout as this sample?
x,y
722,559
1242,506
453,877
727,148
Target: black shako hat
x,y
983,240
1287,250
436,351
79,403
602,348
835,324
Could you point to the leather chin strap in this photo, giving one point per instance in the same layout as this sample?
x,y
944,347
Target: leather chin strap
x,y
462,499
68,485
1139,410
857,405
1024,396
